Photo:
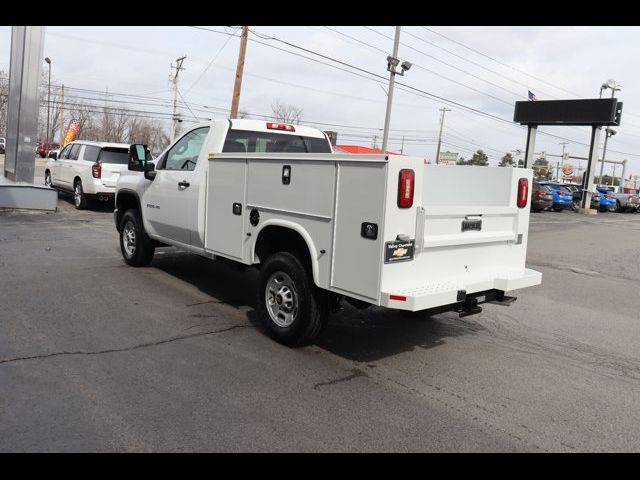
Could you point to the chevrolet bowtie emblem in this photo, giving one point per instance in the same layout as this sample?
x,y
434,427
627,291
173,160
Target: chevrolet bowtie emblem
x,y
400,252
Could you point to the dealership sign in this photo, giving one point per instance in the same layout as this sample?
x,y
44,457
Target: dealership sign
x,y
448,158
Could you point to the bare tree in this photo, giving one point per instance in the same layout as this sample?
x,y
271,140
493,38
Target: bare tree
x,y
286,113
150,132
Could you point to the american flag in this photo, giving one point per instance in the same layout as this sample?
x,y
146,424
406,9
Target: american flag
x,y
532,97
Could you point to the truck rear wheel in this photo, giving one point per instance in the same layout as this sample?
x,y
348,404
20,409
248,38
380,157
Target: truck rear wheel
x,y
294,311
137,249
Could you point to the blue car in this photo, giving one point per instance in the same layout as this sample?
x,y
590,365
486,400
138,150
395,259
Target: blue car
x,y
562,196
607,200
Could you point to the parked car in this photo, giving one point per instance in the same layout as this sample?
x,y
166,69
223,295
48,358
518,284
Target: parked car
x,y
625,202
577,196
3,144
89,170
607,199
562,196
541,197
44,149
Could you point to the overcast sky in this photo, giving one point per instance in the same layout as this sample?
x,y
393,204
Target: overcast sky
x,y
493,68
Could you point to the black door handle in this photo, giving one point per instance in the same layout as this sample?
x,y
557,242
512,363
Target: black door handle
x,y
184,184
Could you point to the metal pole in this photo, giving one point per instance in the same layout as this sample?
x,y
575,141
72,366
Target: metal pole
x,y
613,175
443,110
402,147
604,152
237,86
392,79
587,184
531,141
48,104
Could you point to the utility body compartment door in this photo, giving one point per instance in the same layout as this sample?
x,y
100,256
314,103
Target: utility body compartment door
x,y
226,207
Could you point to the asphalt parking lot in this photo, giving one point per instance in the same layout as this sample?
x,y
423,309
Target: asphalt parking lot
x,y
98,356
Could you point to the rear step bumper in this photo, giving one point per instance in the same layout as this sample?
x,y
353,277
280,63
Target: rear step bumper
x,y
451,295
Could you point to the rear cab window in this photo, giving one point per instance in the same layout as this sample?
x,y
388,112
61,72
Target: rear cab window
x,y
269,142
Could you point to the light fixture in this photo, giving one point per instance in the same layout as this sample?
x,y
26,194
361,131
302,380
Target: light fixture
x,y
405,66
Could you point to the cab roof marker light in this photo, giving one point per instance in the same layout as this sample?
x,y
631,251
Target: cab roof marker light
x,y
280,126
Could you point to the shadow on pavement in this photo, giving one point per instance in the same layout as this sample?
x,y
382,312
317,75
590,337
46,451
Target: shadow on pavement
x,y
376,333
360,335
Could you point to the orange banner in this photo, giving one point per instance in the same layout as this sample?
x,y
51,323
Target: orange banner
x,y
72,129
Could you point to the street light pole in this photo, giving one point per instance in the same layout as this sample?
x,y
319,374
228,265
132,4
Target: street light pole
x,y
392,80
48,60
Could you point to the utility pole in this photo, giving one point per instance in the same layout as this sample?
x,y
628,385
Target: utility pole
x,y
61,139
562,160
392,80
178,67
237,86
613,176
402,147
375,141
443,110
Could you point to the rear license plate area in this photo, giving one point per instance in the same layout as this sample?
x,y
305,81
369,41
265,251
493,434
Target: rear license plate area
x,y
472,225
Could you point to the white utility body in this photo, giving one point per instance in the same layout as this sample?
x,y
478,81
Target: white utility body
x,y
385,230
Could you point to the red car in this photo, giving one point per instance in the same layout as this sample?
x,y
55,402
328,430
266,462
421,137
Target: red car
x,y
44,148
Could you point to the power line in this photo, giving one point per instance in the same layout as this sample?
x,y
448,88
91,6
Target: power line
x,y
408,88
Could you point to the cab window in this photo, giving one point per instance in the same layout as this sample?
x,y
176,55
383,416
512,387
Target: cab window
x,y
184,154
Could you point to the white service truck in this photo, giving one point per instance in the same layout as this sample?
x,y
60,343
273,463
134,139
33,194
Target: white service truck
x,y
322,227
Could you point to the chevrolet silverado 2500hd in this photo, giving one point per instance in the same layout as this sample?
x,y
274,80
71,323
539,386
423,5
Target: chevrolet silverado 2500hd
x,y
322,227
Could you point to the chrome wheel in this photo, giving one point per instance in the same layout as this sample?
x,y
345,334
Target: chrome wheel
x,y
77,194
281,299
129,239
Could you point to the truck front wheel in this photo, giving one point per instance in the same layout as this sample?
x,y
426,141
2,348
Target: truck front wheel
x,y
294,311
137,249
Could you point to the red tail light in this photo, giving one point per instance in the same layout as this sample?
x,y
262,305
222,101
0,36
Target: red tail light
x,y
280,126
406,184
523,192
96,170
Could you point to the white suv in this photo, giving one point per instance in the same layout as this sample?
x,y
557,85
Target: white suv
x,y
89,170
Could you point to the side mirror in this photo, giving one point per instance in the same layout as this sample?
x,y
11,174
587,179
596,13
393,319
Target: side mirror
x,y
138,156
149,171
53,155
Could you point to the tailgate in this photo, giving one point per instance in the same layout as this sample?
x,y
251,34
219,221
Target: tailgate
x,y
111,173
468,206
469,235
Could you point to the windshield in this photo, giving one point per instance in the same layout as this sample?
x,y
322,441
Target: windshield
x,y
114,155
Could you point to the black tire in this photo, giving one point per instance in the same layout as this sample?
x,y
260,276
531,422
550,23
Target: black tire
x,y
309,309
557,208
137,250
47,179
619,208
79,198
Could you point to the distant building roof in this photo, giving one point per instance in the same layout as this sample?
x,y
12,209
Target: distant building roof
x,y
360,149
